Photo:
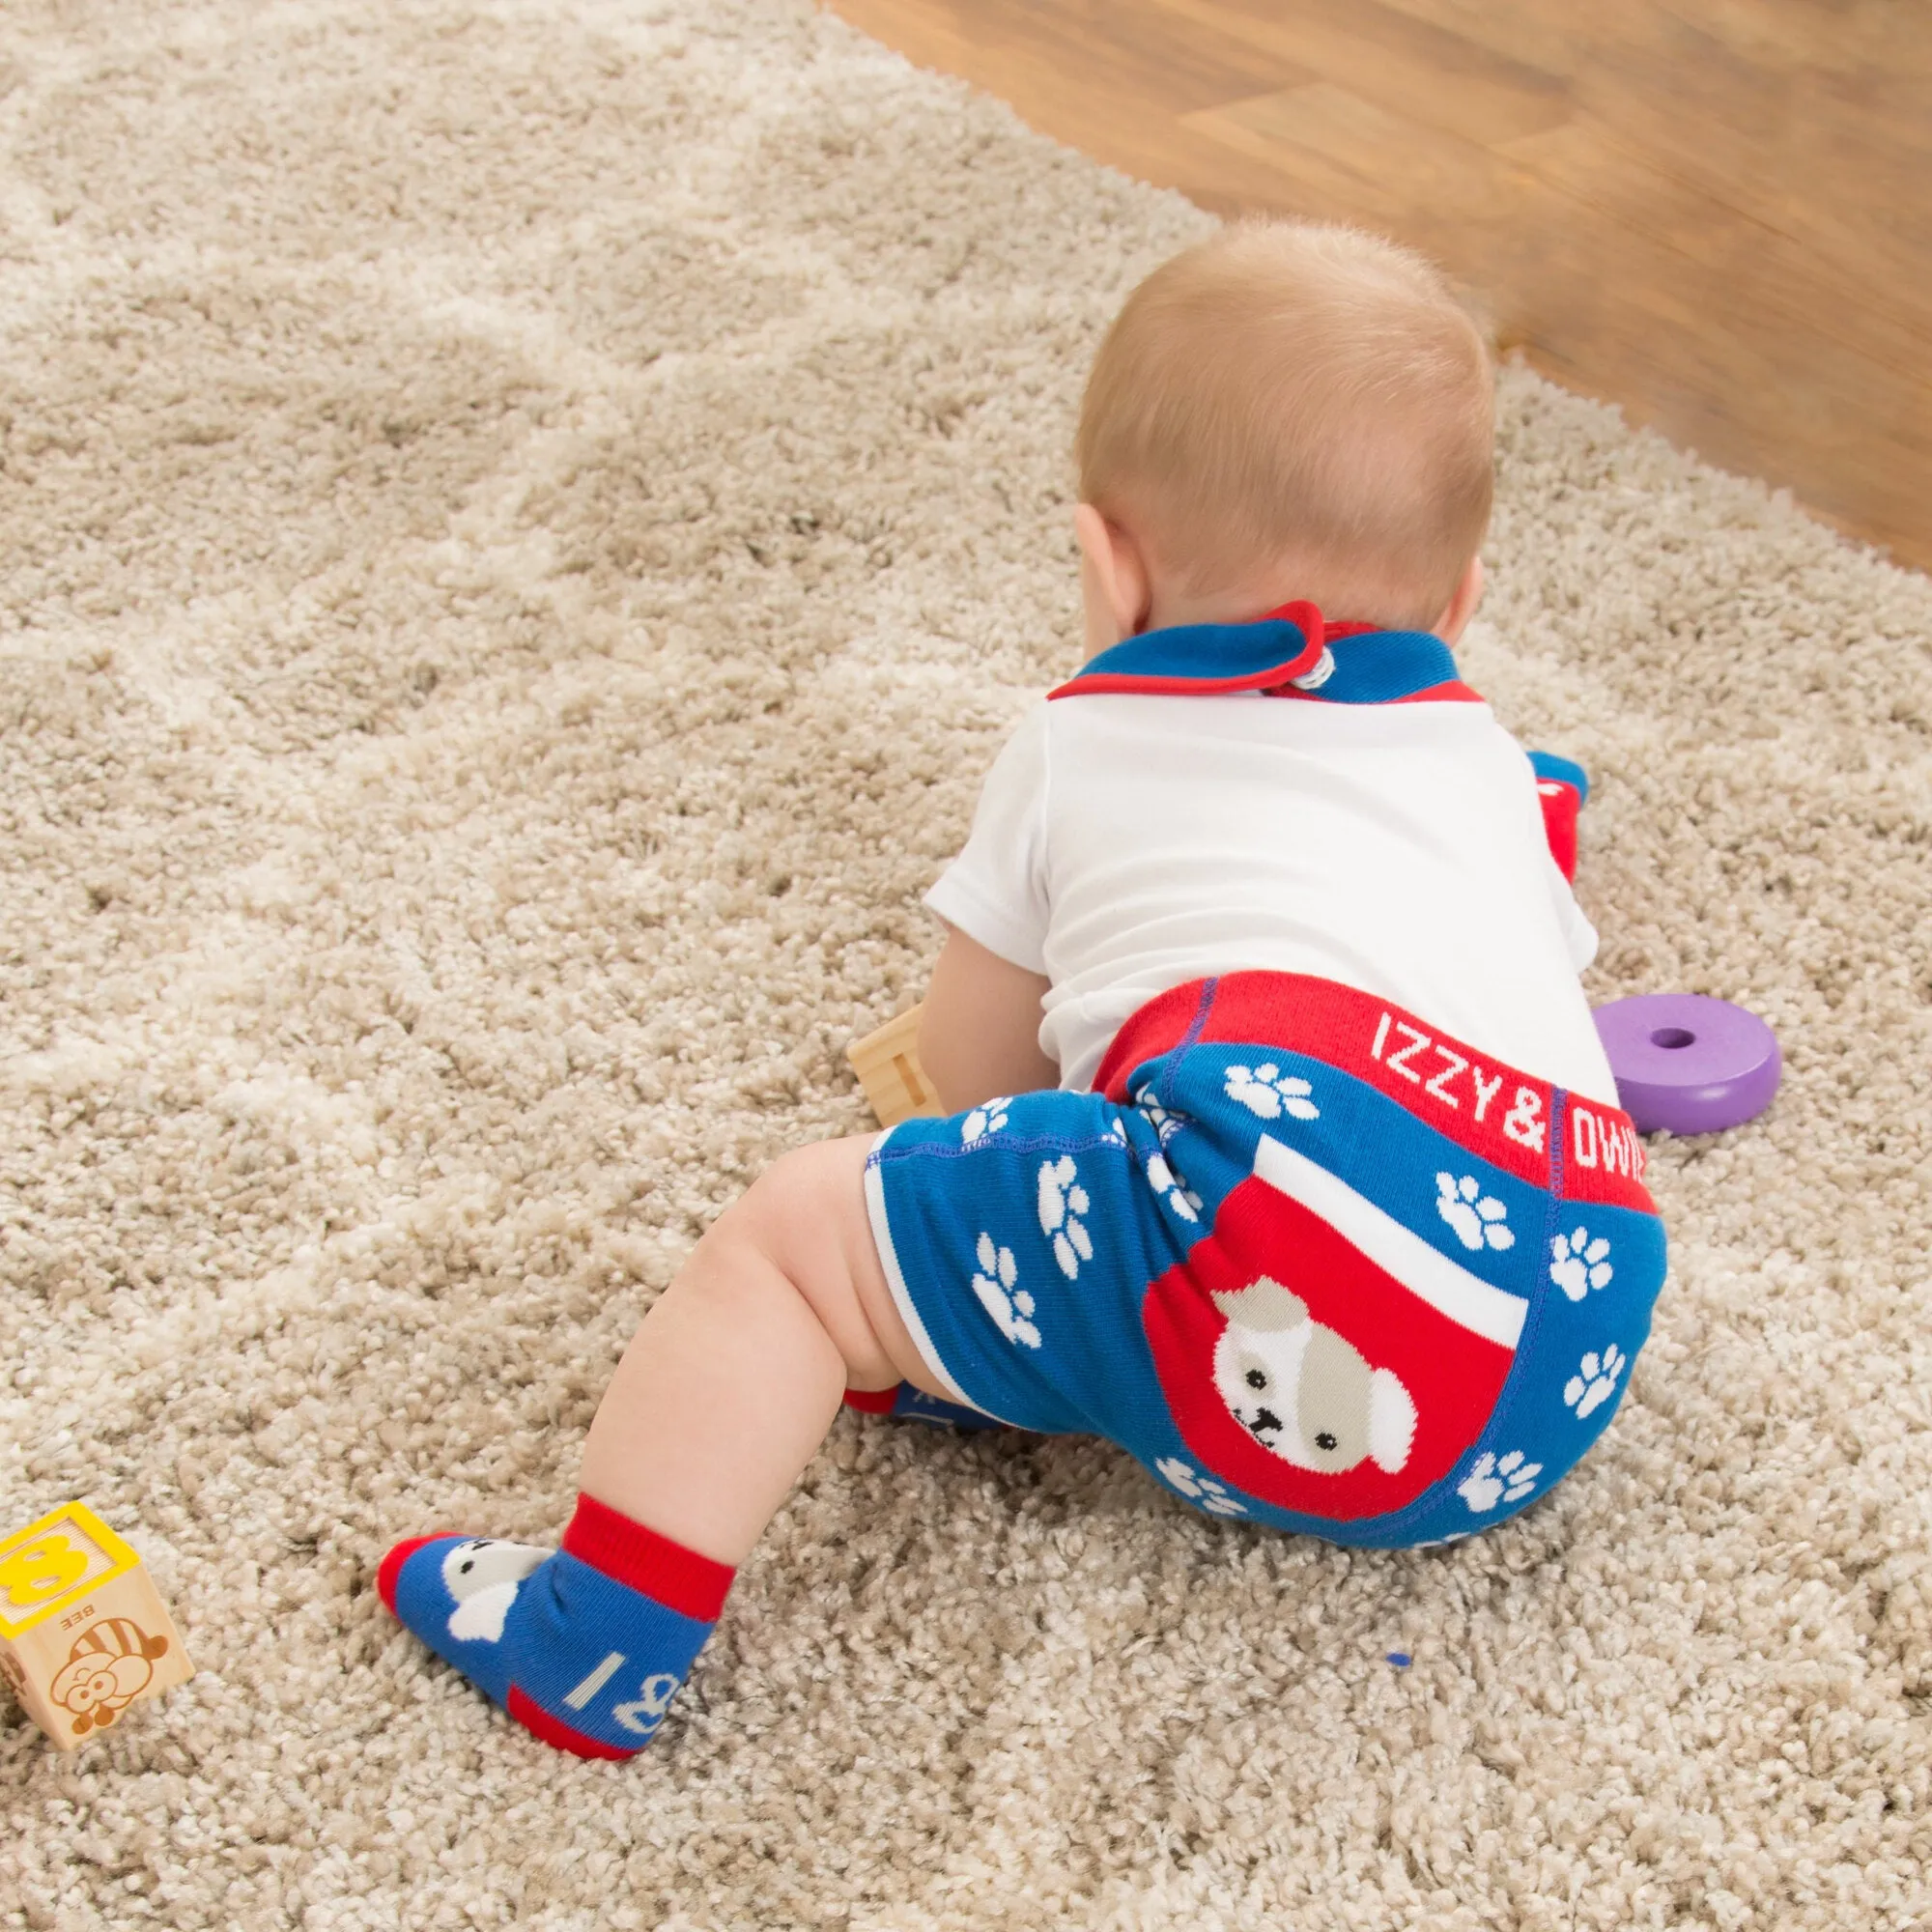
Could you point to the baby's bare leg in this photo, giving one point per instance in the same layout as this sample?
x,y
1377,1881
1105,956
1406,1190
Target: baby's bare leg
x,y
719,1403
736,1374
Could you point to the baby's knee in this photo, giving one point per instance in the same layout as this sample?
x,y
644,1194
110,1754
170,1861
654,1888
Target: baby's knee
x,y
804,1189
806,1215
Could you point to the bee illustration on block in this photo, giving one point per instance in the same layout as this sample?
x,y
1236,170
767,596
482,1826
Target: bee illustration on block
x,y
107,1669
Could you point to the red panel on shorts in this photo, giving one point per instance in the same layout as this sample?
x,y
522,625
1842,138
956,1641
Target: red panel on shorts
x,y
1453,1376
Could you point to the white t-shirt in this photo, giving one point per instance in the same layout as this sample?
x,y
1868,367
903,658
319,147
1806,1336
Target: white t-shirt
x,y
1128,843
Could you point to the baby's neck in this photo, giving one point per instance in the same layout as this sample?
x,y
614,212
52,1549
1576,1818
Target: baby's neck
x,y
1170,610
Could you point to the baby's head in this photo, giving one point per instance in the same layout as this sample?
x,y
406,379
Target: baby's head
x,y
1286,411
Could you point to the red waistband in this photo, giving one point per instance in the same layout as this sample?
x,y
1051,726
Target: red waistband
x,y
1494,1111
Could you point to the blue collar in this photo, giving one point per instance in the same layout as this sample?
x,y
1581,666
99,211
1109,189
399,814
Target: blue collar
x,y
1289,653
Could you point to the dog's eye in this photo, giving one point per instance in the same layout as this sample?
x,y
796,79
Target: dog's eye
x,y
1258,1378
1326,1440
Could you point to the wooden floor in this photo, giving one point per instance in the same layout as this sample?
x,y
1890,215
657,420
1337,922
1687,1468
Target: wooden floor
x,y
1715,213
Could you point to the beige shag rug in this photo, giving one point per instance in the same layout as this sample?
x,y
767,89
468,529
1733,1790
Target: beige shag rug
x,y
521,526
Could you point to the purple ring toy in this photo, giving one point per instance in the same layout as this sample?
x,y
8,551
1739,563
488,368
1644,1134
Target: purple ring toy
x,y
1688,1062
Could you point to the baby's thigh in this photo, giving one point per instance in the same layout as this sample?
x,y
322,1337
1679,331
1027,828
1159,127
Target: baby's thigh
x,y
806,1214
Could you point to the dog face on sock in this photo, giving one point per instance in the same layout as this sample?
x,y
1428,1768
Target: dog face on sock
x,y
1301,1391
482,1574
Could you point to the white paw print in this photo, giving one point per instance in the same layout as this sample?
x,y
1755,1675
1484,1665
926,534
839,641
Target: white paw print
x,y
1062,1202
1267,1092
1577,1264
1595,1379
983,1120
1476,1217
1200,1488
1007,1305
1116,1131
1165,1124
1498,1479
1161,1177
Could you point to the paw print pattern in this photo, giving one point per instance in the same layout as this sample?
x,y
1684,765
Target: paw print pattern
x,y
1200,1488
1164,1125
1267,1092
1577,1264
1595,1379
996,1285
1183,1200
983,1120
1063,1201
1497,1479
1478,1218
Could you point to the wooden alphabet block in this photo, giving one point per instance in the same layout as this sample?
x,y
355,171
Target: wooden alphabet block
x,y
82,1634
887,1063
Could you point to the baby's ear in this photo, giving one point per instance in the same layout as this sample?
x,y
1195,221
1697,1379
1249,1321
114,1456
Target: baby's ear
x,y
1462,606
1391,1421
1265,1306
1114,583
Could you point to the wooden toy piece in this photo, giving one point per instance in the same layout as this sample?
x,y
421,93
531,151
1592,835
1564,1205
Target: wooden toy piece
x,y
887,1063
82,1634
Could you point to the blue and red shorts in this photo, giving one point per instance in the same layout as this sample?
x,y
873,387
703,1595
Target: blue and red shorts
x,y
1311,1263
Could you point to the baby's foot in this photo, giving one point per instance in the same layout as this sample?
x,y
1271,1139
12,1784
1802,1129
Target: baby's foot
x,y
1561,786
906,1403
585,1646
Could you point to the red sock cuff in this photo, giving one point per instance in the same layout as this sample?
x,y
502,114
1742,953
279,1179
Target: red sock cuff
x,y
665,1571
873,1402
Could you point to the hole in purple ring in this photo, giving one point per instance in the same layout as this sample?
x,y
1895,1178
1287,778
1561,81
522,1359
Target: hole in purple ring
x,y
1671,1037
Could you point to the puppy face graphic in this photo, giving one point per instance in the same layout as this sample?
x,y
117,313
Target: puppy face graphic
x,y
482,1575
1301,1391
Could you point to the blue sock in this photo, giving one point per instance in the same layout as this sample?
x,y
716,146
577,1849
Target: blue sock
x,y
586,1646
1562,785
905,1403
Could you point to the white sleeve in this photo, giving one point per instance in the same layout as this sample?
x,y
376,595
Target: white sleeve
x,y
1578,934
995,892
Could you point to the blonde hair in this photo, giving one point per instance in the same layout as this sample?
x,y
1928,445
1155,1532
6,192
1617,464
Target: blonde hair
x,y
1299,394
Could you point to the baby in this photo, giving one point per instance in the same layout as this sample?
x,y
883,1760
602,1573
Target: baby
x,y
1286,1156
